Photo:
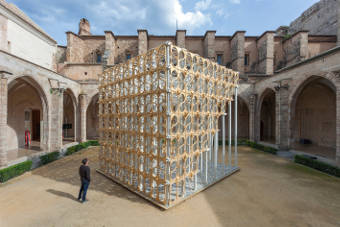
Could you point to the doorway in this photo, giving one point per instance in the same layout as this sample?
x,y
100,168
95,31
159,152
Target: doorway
x,y
35,125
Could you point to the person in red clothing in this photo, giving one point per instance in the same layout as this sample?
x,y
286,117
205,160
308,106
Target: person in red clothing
x,y
27,138
84,173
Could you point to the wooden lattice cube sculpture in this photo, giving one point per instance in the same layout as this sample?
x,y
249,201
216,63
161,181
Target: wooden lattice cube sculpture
x,y
158,116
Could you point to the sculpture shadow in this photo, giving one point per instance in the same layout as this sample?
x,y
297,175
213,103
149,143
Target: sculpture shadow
x,y
66,170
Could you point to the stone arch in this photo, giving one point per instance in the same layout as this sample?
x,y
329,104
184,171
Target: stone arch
x,y
243,119
92,119
266,116
313,115
27,110
69,116
331,77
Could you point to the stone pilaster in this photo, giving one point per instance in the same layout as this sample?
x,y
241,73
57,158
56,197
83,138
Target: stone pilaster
x,y
338,24
209,45
180,38
237,51
282,116
74,51
56,119
296,48
3,119
337,158
142,41
82,116
110,47
265,47
252,113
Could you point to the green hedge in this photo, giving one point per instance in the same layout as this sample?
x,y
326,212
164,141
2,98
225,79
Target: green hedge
x,y
316,164
15,170
257,146
261,147
239,142
50,157
93,142
80,146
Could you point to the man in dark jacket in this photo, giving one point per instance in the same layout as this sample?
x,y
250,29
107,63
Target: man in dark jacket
x,y
84,173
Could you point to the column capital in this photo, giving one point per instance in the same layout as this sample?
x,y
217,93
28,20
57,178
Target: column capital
x,y
4,74
57,91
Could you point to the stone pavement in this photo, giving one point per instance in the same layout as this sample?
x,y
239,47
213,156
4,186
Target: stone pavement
x,y
268,191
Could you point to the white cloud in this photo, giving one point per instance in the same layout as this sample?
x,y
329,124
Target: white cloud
x,y
202,5
222,13
187,20
120,16
160,15
117,10
235,1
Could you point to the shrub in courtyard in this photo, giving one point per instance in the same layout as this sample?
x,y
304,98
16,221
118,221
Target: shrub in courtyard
x,y
244,142
261,147
93,142
316,164
239,142
15,170
81,146
50,157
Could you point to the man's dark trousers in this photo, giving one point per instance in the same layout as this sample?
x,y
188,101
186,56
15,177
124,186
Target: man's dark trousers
x,y
83,189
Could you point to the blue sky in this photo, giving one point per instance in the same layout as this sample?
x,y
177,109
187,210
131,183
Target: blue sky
x,y
124,17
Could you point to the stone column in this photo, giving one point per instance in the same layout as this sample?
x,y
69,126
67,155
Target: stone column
x,y
337,157
282,116
265,47
180,38
142,41
209,45
338,24
3,119
237,51
252,113
56,118
110,46
82,116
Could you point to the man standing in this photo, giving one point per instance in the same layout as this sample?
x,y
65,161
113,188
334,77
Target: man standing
x,y
84,173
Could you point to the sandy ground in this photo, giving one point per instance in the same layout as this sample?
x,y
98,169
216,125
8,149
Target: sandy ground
x,y
268,191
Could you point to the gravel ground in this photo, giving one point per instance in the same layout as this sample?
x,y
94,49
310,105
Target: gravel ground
x,y
267,191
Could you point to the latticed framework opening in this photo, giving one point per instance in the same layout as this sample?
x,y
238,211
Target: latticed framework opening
x,y
158,123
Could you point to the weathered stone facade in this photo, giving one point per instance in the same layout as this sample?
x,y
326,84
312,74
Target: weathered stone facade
x,y
320,19
280,74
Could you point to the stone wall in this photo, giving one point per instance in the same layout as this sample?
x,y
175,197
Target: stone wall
x,y
251,49
295,49
265,49
125,46
287,84
155,41
319,19
26,45
82,71
237,51
209,45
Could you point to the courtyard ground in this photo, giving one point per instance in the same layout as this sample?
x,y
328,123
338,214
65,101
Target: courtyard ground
x,y
268,191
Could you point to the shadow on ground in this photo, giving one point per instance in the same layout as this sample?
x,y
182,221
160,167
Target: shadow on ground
x,y
267,191
66,170
62,194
